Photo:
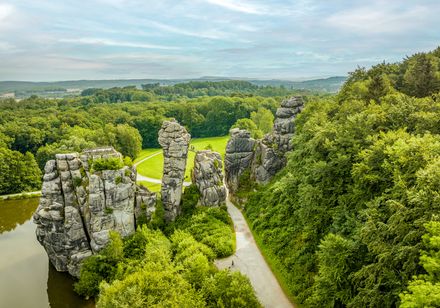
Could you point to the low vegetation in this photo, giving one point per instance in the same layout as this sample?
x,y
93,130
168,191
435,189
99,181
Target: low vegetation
x,y
173,268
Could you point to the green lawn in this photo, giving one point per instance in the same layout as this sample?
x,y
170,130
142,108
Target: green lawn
x,y
153,167
153,187
145,153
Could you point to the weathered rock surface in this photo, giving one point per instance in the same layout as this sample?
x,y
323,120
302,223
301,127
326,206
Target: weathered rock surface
x,y
145,204
78,209
174,139
208,177
270,151
239,156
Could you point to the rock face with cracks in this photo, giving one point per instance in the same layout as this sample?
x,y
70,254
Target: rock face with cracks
x,y
270,152
239,156
78,209
208,177
174,139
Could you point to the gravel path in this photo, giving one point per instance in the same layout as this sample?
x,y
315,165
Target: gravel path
x,y
249,261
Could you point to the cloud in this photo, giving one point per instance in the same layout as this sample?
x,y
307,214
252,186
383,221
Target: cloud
x,y
375,19
275,9
5,11
239,6
212,34
108,42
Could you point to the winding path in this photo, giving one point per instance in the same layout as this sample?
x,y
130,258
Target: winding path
x,y
249,261
140,177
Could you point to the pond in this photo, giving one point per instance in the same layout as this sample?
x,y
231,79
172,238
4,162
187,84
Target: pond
x,y
26,277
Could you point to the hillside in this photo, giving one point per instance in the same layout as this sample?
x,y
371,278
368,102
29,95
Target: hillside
x,y
62,88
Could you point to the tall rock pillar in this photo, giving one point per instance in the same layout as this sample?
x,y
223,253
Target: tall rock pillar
x,y
238,157
270,152
174,139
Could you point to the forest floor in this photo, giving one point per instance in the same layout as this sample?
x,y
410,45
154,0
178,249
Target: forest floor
x,y
249,261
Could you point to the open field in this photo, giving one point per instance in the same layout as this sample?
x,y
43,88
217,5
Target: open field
x,y
153,167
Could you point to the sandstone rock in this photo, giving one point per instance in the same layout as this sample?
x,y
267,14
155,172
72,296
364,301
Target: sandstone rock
x,y
145,204
174,139
239,156
208,177
78,209
270,152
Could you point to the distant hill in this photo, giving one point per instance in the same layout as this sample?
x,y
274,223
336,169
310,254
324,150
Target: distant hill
x,y
62,88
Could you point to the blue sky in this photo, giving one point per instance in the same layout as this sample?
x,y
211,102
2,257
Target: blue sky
x,y
42,40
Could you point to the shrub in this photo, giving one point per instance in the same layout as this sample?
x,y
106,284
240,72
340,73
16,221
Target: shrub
x,y
128,161
77,181
229,289
112,163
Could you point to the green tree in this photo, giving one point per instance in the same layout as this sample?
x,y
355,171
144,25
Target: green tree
x,y
250,126
263,118
421,79
424,290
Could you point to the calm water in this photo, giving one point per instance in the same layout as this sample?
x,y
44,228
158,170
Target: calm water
x,y
26,277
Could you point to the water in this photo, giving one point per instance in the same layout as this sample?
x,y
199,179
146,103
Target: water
x,y
26,277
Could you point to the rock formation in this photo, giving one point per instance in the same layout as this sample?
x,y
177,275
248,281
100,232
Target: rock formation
x,y
270,151
174,139
79,208
263,158
238,158
208,177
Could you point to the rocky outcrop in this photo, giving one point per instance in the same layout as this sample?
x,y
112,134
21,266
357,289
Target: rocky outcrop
x,y
145,204
78,208
208,177
270,151
174,139
239,156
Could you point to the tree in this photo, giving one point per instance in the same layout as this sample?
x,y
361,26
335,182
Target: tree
x,y
263,118
250,126
18,172
424,290
420,79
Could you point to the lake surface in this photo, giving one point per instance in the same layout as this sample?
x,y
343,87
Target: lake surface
x,y
26,277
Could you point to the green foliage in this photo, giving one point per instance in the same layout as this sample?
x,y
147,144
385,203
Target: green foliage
x,y
111,163
128,161
148,270
190,198
250,126
118,180
263,119
158,217
18,172
100,267
344,220
77,181
210,227
229,289
424,290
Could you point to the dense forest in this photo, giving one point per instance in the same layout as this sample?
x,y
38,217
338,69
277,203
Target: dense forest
x,y
34,129
353,218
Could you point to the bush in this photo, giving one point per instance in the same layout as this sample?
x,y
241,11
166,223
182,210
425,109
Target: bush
x,y
229,289
112,163
77,181
210,226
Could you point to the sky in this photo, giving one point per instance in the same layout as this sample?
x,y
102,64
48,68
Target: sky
x,y
42,40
